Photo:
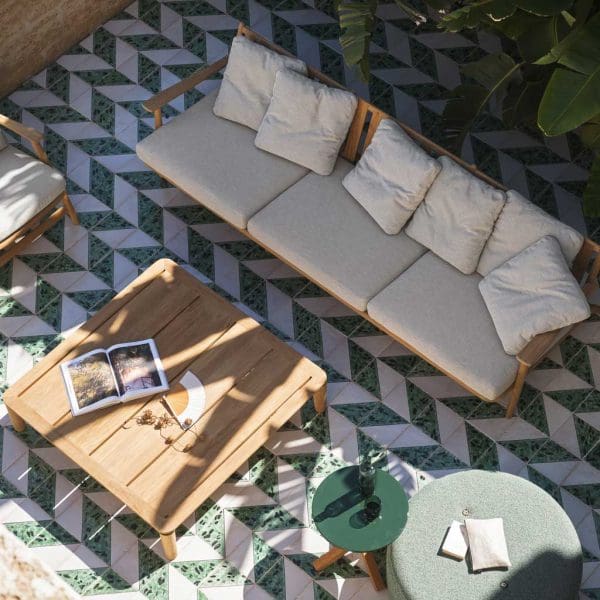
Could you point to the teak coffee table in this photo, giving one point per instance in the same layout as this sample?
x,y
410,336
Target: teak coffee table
x,y
254,383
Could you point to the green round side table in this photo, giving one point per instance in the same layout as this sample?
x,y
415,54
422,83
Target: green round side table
x,y
338,510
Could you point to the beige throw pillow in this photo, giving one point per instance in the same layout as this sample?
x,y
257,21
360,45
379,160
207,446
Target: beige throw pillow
x,y
487,544
532,293
248,80
392,177
520,224
457,216
306,122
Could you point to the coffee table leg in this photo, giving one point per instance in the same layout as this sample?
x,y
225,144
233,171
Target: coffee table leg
x,y
15,420
329,558
169,545
373,570
320,399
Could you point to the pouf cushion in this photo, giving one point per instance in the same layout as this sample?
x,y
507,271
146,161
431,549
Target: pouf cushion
x,y
542,543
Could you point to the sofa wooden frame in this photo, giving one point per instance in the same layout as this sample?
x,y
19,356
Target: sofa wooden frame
x,y
10,246
586,267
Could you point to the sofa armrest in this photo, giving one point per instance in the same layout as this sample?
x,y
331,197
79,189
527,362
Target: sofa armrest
x,y
155,103
33,135
541,344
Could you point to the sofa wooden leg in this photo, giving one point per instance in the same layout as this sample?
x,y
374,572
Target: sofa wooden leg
x,y
70,209
516,389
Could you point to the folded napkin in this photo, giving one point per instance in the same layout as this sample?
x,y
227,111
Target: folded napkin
x,y
487,544
456,543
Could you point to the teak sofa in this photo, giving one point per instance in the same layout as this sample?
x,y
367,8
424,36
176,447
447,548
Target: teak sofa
x,y
33,194
311,223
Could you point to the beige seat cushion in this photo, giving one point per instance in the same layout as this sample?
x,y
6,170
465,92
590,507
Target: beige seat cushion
x,y
457,216
216,162
26,187
439,311
248,81
532,293
520,224
306,121
392,177
322,230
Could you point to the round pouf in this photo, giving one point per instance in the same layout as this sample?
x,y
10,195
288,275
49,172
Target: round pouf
x,y
542,543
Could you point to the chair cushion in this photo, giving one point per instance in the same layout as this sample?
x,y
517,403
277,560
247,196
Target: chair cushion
x,y
392,177
532,293
321,229
306,122
439,311
248,80
27,185
457,216
216,163
520,224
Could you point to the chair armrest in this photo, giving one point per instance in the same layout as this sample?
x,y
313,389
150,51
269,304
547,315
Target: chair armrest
x,y
34,136
156,102
541,344
27,132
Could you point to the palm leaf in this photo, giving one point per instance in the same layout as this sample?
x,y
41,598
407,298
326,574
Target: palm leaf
x,y
492,74
523,97
590,133
541,39
544,8
357,20
570,100
580,50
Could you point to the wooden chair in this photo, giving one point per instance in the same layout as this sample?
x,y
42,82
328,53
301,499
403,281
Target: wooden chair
x,y
33,195
586,267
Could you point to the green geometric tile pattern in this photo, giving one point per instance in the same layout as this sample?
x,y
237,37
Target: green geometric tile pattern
x,y
254,537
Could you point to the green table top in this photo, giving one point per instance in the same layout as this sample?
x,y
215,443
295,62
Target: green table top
x,y
338,511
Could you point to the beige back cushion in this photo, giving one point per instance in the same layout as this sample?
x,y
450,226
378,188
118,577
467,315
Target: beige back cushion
x,y
520,224
457,216
532,293
392,177
248,80
306,122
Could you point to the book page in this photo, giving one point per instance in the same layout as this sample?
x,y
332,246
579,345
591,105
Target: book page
x,y
136,367
92,379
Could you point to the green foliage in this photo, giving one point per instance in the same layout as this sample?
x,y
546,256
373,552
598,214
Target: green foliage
x,y
554,84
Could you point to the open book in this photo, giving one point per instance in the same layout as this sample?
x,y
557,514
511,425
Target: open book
x,y
120,373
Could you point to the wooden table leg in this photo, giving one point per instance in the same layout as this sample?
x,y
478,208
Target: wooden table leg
x,y
328,558
320,399
16,421
169,544
373,570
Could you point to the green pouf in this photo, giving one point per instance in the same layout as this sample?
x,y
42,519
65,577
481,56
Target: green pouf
x,y
542,543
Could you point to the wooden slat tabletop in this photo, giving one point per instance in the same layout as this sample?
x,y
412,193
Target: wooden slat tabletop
x,y
254,383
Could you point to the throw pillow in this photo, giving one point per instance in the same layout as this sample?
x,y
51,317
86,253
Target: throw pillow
x,y
457,216
487,544
248,80
520,224
306,122
392,177
532,293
